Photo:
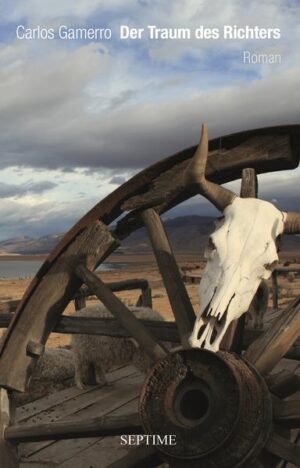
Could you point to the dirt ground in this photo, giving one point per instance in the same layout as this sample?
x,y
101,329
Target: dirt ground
x,y
137,266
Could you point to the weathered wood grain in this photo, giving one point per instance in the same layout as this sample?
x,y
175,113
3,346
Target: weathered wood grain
x,y
84,292
8,452
287,413
125,285
145,298
283,383
8,306
42,310
99,451
166,190
116,400
162,331
284,449
265,352
154,350
181,305
139,457
79,302
54,405
169,184
249,185
95,427
110,208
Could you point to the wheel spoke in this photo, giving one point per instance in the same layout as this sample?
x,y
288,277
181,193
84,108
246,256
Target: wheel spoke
x,y
266,351
178,297
98,427
46,299
283,384
284,449
154,350
287,413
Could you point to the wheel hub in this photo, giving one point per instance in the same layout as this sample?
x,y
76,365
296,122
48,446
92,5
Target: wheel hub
x,y
216,405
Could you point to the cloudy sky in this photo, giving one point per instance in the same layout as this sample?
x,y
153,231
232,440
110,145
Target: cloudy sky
x,y
79,117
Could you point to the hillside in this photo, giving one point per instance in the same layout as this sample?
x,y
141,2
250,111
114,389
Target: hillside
x,y
186,233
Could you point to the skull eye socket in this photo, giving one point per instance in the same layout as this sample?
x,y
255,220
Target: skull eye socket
x,y
272,265
219,221
210,248
211,245
278,242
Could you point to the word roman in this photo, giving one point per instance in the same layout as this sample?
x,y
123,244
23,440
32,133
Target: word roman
x,y
228,32
253,57
148,439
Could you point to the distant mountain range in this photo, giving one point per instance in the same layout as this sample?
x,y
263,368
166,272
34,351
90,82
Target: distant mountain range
x,y
186,233
25,245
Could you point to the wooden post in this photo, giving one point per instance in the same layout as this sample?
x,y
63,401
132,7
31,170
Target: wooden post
x,y
154,350
275,289
8,306
80,302
249,186
8,453
178,297
147,297
233,339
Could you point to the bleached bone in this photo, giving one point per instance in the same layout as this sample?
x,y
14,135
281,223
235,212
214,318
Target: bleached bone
x,y
241,253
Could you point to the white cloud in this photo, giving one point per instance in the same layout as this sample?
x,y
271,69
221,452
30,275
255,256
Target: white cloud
x,y
38,11
111,108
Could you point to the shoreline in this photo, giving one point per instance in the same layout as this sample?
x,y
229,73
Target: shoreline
x,y
143,258
22,257
147,257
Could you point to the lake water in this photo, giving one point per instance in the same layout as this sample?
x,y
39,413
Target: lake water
x,y
25,268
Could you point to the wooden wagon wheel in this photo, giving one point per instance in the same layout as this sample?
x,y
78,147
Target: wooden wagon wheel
x,y
225,410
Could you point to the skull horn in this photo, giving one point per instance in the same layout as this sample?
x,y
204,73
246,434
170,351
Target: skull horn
x,y
292,223
194,176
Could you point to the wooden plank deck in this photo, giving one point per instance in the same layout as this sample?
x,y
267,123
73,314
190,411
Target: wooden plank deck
x,y
119,398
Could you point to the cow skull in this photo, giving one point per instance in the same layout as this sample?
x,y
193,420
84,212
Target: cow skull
x,y
242,251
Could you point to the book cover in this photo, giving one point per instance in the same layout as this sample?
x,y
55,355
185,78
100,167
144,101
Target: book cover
x,y
149,241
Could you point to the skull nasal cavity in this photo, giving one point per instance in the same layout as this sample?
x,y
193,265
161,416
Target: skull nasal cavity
x,y
201,330
213,335
221,318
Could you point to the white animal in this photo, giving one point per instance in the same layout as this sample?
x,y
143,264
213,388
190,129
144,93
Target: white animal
x,y
94,355
242,252
54,371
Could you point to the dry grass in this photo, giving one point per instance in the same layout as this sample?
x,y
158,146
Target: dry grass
x,y
145,267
